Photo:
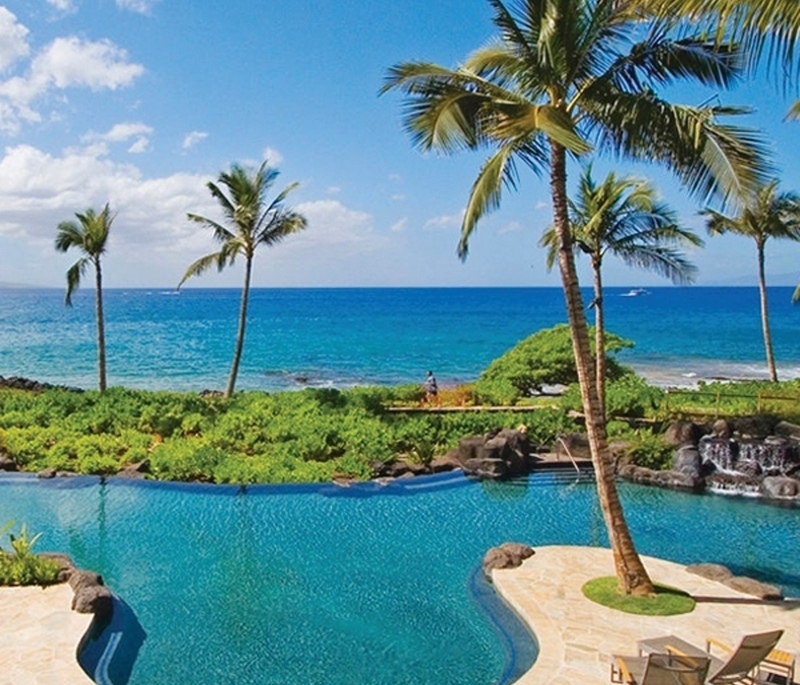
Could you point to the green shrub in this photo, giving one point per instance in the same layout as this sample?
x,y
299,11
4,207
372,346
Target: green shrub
x,y
185,459
544,358
20,566
645,448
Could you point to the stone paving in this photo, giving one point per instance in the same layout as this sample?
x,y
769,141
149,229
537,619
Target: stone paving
x,y
577,637
40,636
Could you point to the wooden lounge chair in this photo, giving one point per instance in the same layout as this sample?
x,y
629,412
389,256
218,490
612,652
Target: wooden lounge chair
x,y
659,669
734,665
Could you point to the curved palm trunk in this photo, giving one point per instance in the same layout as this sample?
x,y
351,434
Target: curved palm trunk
x,y
101,334
599,337
237,354
631,574
762,291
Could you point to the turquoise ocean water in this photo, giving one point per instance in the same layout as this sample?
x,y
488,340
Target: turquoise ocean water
x,y
159,339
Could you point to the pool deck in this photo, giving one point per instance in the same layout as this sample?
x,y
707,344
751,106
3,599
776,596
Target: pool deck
x,y
577,637
40,636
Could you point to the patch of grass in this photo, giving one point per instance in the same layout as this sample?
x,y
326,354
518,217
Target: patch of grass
x,y
668,601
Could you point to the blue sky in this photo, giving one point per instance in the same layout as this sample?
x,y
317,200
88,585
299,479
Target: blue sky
x,y
140,102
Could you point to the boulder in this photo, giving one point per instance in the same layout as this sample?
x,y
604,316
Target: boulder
x,y
47,473
575,444
788,430
780,487
754,427
683,433
687,460
756,588
93,599
674,480
80,579
507,555
137,470
496,455
447,462
7,463
716,572
721,429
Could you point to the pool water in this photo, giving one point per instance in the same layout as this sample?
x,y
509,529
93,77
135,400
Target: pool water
x,y
367,584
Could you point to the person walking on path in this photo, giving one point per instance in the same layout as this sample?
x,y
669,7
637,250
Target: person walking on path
x,y
431,390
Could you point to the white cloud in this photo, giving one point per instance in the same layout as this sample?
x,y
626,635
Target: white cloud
x,y
62,5
191,139
446,221
65,63
511,227
333,190
120,132
273,157
541,204
140,6
13,39
399,226
139,145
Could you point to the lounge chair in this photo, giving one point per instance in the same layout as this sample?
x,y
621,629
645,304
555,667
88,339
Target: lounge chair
x,y
659,669
735,665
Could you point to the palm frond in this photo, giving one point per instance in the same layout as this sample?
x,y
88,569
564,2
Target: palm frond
x,y
486,193
221,234
200,266
69,235
74,274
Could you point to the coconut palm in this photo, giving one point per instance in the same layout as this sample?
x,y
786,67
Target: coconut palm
x,y
768,214
563,73
251,222
761,27
89,235
622,217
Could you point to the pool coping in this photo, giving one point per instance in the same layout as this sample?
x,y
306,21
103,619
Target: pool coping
x,y
577,637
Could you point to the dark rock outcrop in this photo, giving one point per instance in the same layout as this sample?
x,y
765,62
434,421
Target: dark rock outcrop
x,y
20,383
7,463
91,595
780,487
574,444
138,470
687,460
748,586
683,433
496,455
507,555
675,480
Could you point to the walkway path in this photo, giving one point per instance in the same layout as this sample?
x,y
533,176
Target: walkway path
x,y
40,636
576,637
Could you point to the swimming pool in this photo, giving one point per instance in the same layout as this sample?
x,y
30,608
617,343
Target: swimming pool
x,y
367,584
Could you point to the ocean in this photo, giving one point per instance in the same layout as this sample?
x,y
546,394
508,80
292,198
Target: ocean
x,y
161,339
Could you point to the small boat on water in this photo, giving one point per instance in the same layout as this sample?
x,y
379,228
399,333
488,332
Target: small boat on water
x,y
635,292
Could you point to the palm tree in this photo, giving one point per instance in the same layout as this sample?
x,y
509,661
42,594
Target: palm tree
x,y
770,27
768,214
252,222
624,218
562,73
89,234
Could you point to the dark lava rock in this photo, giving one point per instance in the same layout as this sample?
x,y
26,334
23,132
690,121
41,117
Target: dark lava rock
x,y
7,463
687,460
496,455
755,427
788,430
674,480
93,599
447,462
138,470
507,555
47,473
683,433
575,444
780,487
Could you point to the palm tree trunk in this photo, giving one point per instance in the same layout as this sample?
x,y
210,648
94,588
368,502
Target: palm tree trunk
x,y
599,336
101,334
631,574
762,291
237,354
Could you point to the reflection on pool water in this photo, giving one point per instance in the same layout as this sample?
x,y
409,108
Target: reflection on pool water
x,y
366,584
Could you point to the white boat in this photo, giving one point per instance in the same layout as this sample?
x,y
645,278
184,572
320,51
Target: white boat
x,y
635,292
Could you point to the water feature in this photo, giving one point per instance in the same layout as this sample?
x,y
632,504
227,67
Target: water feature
x,y
365,584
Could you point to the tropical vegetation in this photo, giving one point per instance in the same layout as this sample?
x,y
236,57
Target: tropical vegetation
x,y
624,218
564,77
766,214
89,236
19,565
252,221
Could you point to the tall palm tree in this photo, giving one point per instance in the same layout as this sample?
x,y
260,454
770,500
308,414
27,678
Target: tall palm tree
x,y
251,222
622,217
563,73
761,27
89,234
768,214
